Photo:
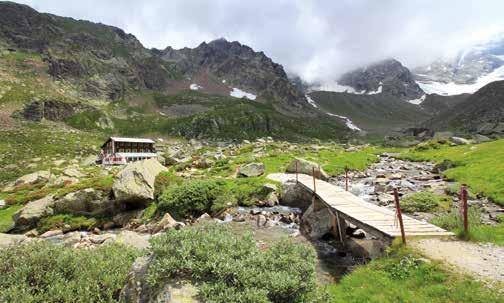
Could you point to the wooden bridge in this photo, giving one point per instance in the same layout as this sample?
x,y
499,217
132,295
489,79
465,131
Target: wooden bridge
x,y
376,220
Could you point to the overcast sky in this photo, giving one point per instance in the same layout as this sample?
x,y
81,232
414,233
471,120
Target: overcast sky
x,y
316,39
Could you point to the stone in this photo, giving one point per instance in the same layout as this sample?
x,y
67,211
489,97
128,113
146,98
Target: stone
x,y
32,233
135,183
133,239
269,188
307,167
271,200
359,234
251,170
480,138
123,218
33,178
99,239
316,223
73,172
2,203
137,289
165,223
460,141
33,211
204,217
442,166
58,162
51,233
88,160
261,220
64,180
385,199
7,240
396,176
89,202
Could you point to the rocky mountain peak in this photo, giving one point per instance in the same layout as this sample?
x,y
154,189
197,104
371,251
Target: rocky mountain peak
x,y
387,76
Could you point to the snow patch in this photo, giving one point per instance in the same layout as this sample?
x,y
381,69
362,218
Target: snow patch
x,y
348,122
311,101
334,86
195,86
378,91
452,88
418,101
238,93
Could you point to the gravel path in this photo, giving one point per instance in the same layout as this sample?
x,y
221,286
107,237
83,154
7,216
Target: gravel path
x,y
485,261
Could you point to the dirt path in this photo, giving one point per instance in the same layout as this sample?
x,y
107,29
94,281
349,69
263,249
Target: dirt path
x,y
485,261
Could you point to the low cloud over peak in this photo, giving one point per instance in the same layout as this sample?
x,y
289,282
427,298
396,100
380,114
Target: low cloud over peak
x,y
318,40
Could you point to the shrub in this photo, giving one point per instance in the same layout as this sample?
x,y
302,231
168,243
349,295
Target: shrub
x,y
423,202
231,268
67,223
43,272
192,198
453,220
165,180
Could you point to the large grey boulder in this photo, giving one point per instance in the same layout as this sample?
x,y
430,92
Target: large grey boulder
x,y
87,201
460,141
307,167
7,240
315,223
135,183
34,211
251,170
33,178
137,290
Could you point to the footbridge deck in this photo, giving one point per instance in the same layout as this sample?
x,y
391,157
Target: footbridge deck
x,y
376,220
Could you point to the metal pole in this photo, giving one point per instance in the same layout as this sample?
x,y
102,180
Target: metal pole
x,y
464,210
399,215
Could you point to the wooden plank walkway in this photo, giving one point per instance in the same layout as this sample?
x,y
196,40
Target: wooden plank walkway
x,y
377,220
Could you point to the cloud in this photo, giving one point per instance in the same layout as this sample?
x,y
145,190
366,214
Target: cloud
x,y
316,39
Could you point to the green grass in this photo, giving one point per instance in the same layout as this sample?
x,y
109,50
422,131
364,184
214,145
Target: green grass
x,y
402,277
480,166
425,202
6,213
66,223
478,232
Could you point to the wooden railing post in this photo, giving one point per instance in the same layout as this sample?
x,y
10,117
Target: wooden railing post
x,y
463,198
399,215
314,179
346,178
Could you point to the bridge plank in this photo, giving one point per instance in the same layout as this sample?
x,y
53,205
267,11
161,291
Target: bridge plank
x,y
367,216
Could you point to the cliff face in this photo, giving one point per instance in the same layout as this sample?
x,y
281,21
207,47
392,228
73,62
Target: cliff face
x,y
387,76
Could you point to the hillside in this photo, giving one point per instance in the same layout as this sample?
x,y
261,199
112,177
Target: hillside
x,y
377,113
98,78
482,112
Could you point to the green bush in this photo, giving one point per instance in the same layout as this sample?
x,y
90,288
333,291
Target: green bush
x,y
165,180
66,222
423,202
43,272
190,199
230,268
196,197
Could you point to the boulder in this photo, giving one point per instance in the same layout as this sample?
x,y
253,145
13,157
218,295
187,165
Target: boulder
x,y
135,183
89,202
137,289
460,141
307,167
52,233
33,178
34,211
480,138
316,223
7,240
271,200
165,223
73,172
123,218
251,170
133,239
2,203
442,166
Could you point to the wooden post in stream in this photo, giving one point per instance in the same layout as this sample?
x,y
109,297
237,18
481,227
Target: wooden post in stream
x,y
399,215
463,199
297,169
346,178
